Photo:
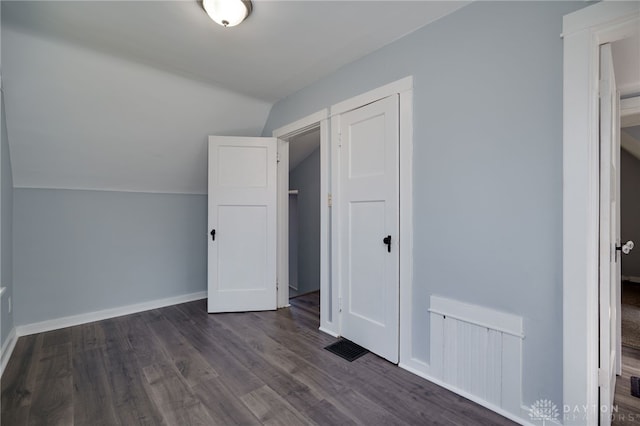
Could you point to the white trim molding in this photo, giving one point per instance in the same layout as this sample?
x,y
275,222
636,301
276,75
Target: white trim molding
x,y
635,280
630,112
91,189
284,134
300,126
629,89
7,349
403,88
399,86
479,315
329,332
584,31
70,321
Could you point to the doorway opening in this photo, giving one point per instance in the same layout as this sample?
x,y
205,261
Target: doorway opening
x,y
306,140
629,308
584,32
304,213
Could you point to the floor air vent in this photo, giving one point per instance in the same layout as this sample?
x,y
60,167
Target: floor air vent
x,y
346,349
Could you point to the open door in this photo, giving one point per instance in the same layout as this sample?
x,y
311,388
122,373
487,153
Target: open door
x,y
609,232
242,221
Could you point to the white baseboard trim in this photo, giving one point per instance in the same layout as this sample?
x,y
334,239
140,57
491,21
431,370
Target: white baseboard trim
x,y
7,349
632,279
479,401
415,366
329,332
55,324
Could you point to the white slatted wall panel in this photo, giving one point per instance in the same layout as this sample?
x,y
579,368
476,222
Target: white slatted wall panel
x,y
477,350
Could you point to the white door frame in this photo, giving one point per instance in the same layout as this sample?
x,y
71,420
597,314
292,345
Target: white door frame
x,y
284,134
583,32
329,220
404,88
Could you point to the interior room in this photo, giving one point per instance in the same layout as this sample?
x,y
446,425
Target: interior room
x,y
315,212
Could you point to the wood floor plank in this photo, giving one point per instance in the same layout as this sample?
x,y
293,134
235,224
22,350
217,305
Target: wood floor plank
x,y
196,327
326,413
18,381
93,396
297,393
368,412
316,383
180,366
87,336
132,403
174,399
56,337
222,405
52,402
139,337
272,409
627,405
191,365
394,392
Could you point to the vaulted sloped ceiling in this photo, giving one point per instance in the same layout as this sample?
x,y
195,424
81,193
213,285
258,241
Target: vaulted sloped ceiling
x,y
82,120
121,95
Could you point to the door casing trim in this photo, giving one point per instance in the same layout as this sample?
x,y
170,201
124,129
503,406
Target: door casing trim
x,y
583,32
329,283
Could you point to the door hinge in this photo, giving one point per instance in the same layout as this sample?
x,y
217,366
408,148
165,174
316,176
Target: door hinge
x,y
339,304
278,158
330,200
602,84
603,380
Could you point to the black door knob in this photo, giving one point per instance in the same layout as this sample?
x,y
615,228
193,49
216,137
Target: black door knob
x,y
387,241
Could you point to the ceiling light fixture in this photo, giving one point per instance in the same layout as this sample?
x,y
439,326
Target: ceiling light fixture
x,y
228,13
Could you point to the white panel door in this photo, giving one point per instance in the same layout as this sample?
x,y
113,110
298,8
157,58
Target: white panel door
x,y
242,224
609,231
369,223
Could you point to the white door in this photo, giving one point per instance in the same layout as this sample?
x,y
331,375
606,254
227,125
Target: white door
x,y
609,231
242,224
369,226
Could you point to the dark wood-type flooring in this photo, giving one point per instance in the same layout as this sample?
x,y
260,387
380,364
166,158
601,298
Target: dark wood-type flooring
x,y
628,406
180,366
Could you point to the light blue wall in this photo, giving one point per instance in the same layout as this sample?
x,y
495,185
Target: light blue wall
x,y
82,251
634,132
630,211
487,165
306,179
6,221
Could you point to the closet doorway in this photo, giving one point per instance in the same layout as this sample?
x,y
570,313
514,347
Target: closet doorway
x,y
303,156
304,214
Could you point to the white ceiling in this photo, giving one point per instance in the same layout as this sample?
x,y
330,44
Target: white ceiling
x,y
626,64
282,47
121,95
